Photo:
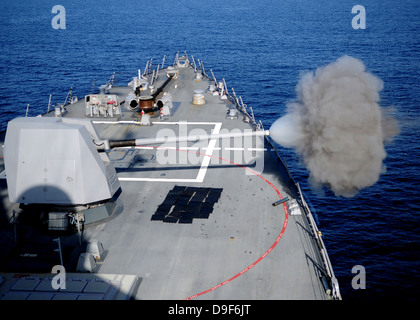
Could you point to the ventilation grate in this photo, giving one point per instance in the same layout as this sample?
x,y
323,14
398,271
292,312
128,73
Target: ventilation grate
x,y
183,204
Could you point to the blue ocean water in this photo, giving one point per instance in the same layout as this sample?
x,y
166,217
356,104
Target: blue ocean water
x,y
260,48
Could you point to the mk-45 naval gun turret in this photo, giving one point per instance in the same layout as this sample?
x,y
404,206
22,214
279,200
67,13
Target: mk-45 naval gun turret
x,y
59,164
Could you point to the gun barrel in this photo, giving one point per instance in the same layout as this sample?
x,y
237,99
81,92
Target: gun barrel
x,y
191,138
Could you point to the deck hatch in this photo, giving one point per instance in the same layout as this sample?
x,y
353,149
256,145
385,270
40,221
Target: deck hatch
x,y
182,204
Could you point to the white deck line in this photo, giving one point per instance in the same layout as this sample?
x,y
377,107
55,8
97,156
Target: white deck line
x,y
209,152
204,165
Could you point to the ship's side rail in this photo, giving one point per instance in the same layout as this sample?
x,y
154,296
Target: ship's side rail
x,y
335,290
297,193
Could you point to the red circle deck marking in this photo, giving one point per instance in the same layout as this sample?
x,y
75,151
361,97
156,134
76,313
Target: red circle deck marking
x,y
286,218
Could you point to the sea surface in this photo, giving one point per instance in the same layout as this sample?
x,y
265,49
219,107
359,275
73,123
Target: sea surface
x,y
260,48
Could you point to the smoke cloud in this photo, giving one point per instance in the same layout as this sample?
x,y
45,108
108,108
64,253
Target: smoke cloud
x,y
337,126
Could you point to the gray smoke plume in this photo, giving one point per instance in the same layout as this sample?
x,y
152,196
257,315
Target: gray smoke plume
x,y
337,126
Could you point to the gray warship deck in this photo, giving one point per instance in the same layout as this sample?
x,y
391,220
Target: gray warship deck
x,y
195,219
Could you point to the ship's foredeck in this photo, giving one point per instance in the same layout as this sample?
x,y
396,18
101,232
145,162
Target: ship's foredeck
x,y
196,219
